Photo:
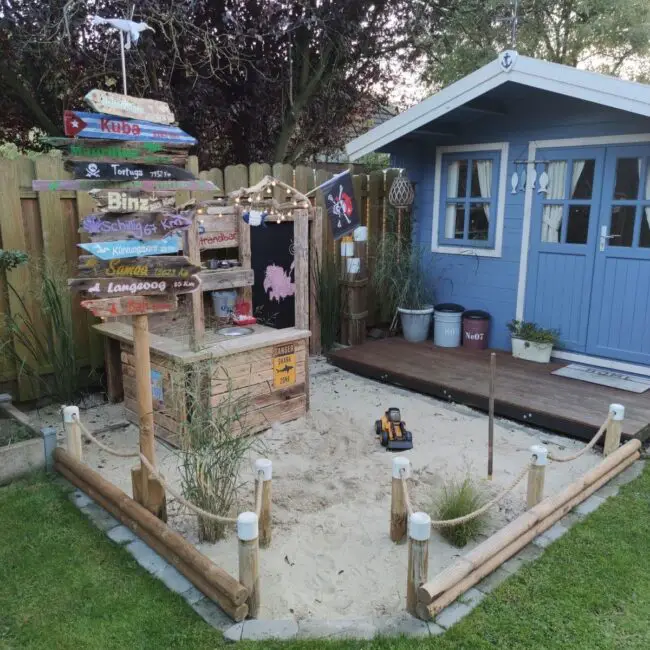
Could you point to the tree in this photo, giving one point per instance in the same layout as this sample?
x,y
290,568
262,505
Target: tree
x,y
610,36
251,79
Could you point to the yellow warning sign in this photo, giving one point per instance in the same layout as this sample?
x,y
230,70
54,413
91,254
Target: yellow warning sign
x,y
284,370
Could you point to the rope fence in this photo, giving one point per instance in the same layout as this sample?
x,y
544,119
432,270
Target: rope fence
x,y
599,434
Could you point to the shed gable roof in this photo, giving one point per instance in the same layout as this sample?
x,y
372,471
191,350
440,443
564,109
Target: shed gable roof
x,y
508,67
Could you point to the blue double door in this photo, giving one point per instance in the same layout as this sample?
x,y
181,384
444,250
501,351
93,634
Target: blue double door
x,y
589,256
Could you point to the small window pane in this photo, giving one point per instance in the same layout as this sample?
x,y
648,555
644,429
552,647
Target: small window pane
x,y
555,183
627,178
644,240
457,179
455,221
479,222
582,179
482,179
552,223
622,226
577,227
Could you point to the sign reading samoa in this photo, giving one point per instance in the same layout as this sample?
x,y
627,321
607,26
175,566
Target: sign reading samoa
x,y
138,108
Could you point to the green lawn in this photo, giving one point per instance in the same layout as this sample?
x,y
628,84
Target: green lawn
x,y
63,584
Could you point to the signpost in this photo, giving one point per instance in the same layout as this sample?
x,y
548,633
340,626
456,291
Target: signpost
x,y
129,248
137,267
139,108
156,153
141,225
121,172
109,127
130,306
117,287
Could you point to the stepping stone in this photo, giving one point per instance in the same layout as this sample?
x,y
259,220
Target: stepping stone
x,y
452,614
257,630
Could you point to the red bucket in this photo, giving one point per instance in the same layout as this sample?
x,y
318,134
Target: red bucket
x,y
476,329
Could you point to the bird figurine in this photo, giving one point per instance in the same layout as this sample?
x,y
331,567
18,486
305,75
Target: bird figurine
x,y
255,217
131,29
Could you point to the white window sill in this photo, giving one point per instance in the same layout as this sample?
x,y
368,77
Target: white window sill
x,y
460,250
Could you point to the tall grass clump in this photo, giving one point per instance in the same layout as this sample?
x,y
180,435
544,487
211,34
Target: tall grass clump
x,y
329,298
40,344
214,443
457,499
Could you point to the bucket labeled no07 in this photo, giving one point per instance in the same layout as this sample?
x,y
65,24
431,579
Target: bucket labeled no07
x,y
447,324
476,328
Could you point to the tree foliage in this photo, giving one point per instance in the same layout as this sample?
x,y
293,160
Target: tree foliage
x,y
251,79
610,36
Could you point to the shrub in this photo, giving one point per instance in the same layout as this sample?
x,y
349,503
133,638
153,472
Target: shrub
x,y
532,332
459,498
329,297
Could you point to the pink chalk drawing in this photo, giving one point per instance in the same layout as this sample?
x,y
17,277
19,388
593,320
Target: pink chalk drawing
x,y
278,283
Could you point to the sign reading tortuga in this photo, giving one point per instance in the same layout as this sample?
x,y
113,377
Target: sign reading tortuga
x,y
125,106
139,225
130,172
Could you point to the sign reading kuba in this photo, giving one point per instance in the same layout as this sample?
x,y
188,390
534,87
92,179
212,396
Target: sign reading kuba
x,y
116,287
176,266
139,225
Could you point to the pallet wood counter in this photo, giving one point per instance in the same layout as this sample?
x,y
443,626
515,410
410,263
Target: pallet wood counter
x,y
268,368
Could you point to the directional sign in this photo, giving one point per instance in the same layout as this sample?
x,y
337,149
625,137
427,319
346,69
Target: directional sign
x,y
130,306
133,200
117,287
98,125
154,153
140,225
137,267
130,172
84,185
138,108
129,248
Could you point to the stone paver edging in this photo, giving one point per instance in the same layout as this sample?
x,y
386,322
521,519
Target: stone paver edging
x,y
354,628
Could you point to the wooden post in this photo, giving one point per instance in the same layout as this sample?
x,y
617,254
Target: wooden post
x,y
193,252
418,562
249,562
147,490
536,475
264,465
398,514
614,430
493,370
72,431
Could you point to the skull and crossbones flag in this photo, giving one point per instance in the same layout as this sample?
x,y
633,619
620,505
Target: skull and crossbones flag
x,y
341,207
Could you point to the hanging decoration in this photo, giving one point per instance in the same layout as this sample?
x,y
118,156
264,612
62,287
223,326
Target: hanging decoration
x,y
401,192
255,217
543,181
514,182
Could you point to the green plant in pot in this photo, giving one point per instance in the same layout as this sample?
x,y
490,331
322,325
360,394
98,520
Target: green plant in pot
x,y
532,342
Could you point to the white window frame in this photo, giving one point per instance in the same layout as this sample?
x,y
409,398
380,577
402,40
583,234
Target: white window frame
x,y
436,247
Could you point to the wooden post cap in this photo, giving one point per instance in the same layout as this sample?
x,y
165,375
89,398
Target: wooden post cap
x,y
540,455
70,413
420,526
266,466
247,526
617,411
400,463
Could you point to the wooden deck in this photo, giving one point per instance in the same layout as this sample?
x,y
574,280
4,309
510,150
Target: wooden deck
x,y
525,391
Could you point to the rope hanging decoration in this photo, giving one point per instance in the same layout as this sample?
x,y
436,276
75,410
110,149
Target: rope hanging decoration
x,y
401,192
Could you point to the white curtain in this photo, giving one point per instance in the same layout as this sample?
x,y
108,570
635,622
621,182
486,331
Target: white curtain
x,y
578,166
452,192
552,215
484,168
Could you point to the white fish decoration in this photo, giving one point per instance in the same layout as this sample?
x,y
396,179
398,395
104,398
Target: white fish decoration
x,y
522,180
532,178
543,182
514,182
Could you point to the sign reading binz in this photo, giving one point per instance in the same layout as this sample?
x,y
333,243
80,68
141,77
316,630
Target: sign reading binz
x,y
133,201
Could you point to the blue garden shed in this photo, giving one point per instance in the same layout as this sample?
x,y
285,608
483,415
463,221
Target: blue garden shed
x,y
533,202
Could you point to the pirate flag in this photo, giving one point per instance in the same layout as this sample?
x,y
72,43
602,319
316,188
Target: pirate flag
x,y
341,208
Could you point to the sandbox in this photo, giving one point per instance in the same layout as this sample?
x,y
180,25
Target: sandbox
x,y
331,555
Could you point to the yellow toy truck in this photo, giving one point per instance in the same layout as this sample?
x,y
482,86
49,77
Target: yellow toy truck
x,y
392,432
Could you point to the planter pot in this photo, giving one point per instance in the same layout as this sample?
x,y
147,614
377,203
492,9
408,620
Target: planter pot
x,y
415,323
531,351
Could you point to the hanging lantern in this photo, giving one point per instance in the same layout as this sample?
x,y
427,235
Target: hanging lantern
x,y
401,192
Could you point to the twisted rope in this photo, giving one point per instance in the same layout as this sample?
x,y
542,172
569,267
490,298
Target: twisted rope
x,y
101,445
443,523
586,448
199,511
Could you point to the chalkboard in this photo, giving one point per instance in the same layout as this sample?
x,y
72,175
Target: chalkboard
x,y
273,264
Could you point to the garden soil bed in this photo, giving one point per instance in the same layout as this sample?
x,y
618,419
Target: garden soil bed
x,y
331,556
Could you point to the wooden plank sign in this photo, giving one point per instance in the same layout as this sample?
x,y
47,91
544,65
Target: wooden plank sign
x,y
98,125
129,172
138,108
85,185
117,287
137,267
140,225
81,150
133,200
130,306
125,248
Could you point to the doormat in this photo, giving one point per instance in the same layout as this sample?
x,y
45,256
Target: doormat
x,y
604,377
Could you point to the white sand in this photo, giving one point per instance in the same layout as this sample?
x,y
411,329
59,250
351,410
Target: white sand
x,y
331,555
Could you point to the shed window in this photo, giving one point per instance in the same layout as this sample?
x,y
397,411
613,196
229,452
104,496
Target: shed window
x,y
468,194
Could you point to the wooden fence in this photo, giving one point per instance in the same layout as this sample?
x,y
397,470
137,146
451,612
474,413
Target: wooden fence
x,y
45,224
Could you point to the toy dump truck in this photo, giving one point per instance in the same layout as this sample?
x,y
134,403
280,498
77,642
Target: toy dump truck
x,y
392,432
